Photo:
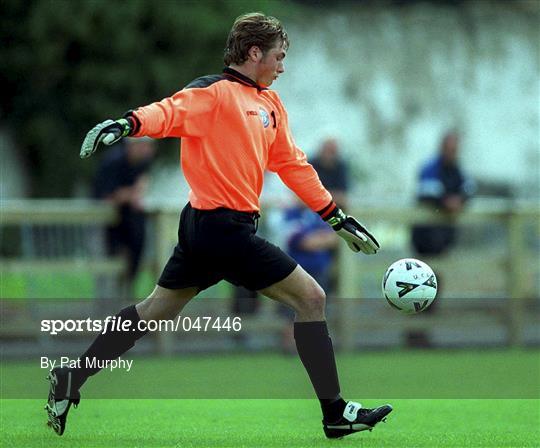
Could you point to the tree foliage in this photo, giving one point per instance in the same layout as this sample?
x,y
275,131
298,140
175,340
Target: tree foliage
x,y
67,65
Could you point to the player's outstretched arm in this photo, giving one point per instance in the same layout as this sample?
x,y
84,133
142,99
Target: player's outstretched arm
x,y
108,133
356,235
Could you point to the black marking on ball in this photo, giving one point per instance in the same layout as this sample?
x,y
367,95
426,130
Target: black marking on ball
x,y
386,276
405,288
420,306
431,282
409,265
393,305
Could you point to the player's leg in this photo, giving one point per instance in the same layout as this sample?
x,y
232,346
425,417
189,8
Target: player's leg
x,y
162,303
301,292
178,283
65,382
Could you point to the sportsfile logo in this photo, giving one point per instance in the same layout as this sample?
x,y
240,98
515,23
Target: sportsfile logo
x,y
118,324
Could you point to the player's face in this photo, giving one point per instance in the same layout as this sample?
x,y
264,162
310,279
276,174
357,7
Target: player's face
x,y
270,66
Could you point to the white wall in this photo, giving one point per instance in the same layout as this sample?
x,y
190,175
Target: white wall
x,y
389,82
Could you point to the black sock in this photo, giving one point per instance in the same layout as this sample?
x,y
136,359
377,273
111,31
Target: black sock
x,y
317,354
332,409
109,346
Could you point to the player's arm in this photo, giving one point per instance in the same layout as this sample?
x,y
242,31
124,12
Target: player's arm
x,y
188,113
291,164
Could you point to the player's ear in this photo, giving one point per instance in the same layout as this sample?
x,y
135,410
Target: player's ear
x,y
254,53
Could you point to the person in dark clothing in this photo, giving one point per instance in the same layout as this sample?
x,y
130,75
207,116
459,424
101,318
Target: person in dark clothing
x,y
332,170
121,179
443,186
334,175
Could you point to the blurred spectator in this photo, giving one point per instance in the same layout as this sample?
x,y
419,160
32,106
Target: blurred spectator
x,y
333,171
121,179
443,186
334,174
310,242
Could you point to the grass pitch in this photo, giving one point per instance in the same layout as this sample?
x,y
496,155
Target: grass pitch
x,y
435,416
270,423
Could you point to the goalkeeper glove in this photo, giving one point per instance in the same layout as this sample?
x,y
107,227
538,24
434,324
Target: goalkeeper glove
x,y
108,132
353,232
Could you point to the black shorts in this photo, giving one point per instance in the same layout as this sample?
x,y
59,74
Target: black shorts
x,y
221,244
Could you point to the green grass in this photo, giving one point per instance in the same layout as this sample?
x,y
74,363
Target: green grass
x,y
45,286
54,285
430,374
425,387
270,423
61,285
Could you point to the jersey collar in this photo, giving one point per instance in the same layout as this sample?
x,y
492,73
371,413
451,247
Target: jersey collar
x,y
236,76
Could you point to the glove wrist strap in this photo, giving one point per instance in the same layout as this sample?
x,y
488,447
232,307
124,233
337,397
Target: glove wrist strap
x,y
134,123
327,211
334,216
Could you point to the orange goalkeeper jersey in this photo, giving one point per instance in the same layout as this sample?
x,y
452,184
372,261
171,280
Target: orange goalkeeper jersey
x,y
232,130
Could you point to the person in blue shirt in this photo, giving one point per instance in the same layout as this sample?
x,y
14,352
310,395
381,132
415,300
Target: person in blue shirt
x,y
312,247
310,243
443,186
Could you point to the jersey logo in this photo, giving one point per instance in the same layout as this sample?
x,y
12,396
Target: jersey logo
x,y
264,117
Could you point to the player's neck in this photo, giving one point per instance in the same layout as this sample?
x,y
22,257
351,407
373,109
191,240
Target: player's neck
x,y
246,70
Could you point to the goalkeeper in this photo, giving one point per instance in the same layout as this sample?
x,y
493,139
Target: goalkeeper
x,y
233,128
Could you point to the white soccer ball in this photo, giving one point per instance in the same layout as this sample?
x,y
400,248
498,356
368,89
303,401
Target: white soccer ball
x,y
409,285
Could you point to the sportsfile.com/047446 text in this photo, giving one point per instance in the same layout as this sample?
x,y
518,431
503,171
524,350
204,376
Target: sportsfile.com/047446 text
x,y
116,323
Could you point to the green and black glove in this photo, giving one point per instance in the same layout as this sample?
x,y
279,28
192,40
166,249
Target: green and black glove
x,y
356,235
108,133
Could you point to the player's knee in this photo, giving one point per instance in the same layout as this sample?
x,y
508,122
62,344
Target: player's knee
x,y
313,300
318,298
